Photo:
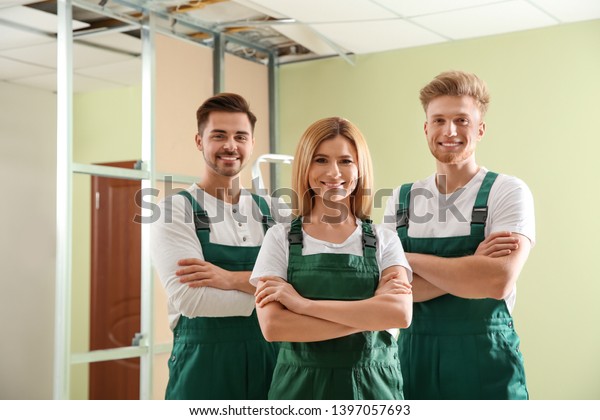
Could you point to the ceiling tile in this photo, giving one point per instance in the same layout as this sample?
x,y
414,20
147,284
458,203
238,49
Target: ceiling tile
x,y
80,83
486,20
416,8
12,3
127,73
369,37
118,41
10,69
86,56
34,18
16,38
572,10
83,55
309,11
44,55
306,36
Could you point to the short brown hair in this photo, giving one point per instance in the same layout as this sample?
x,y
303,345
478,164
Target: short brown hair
x,y
319,131
223,102
456,83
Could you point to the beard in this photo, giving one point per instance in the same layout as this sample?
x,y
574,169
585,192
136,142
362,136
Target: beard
x,y
223,169
451,157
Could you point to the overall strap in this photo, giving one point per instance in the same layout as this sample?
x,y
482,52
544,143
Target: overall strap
x,y
369,239
267,220
295,237
480,208
201,219
402,212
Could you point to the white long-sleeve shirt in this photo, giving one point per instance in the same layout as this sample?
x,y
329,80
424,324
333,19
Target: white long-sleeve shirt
x,y
174,237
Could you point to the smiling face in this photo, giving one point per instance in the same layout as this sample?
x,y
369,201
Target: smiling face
x,y
333,171
226,143
453,128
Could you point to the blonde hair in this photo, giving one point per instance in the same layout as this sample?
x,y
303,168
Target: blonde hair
x,y
361,200
456,83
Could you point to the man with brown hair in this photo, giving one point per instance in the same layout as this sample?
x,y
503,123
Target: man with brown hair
x,y
467,233
204,247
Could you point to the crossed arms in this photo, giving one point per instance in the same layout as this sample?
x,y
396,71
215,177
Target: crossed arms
x,y
284,315
490,273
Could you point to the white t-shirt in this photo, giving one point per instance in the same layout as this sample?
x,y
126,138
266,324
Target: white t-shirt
x,y
274,254
173,237
435,215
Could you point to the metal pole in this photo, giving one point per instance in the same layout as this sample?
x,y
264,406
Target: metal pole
x,y
273,117
218,64
148,152
64,200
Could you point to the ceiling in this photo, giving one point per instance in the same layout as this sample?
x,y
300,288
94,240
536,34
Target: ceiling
x,y
107,47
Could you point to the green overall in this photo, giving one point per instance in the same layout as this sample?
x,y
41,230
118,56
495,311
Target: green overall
x,y
225,357
459,348
359,366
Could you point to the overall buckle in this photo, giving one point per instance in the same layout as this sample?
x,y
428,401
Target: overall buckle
x,y
401,218
479,215
201,221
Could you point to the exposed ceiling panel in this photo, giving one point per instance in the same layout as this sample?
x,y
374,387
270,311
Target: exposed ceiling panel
x,y
107,39
305,35
260,8
221,12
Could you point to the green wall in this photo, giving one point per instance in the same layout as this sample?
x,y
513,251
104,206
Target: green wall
x,y
541,127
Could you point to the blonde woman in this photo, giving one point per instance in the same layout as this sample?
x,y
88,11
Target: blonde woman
x,y
330,285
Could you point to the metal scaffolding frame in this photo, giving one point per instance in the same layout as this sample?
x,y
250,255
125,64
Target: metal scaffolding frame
x,y
66,168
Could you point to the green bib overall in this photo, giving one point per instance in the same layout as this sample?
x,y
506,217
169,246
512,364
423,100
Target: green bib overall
x,y
459,348
226,357
359,366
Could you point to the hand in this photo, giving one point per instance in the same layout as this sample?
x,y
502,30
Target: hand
x,y
275,289
200,273
392,283
498,244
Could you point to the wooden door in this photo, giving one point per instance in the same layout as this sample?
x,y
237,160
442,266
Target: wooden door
x,y
115,284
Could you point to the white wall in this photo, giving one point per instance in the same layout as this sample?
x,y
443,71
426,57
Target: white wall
x,y
27,241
